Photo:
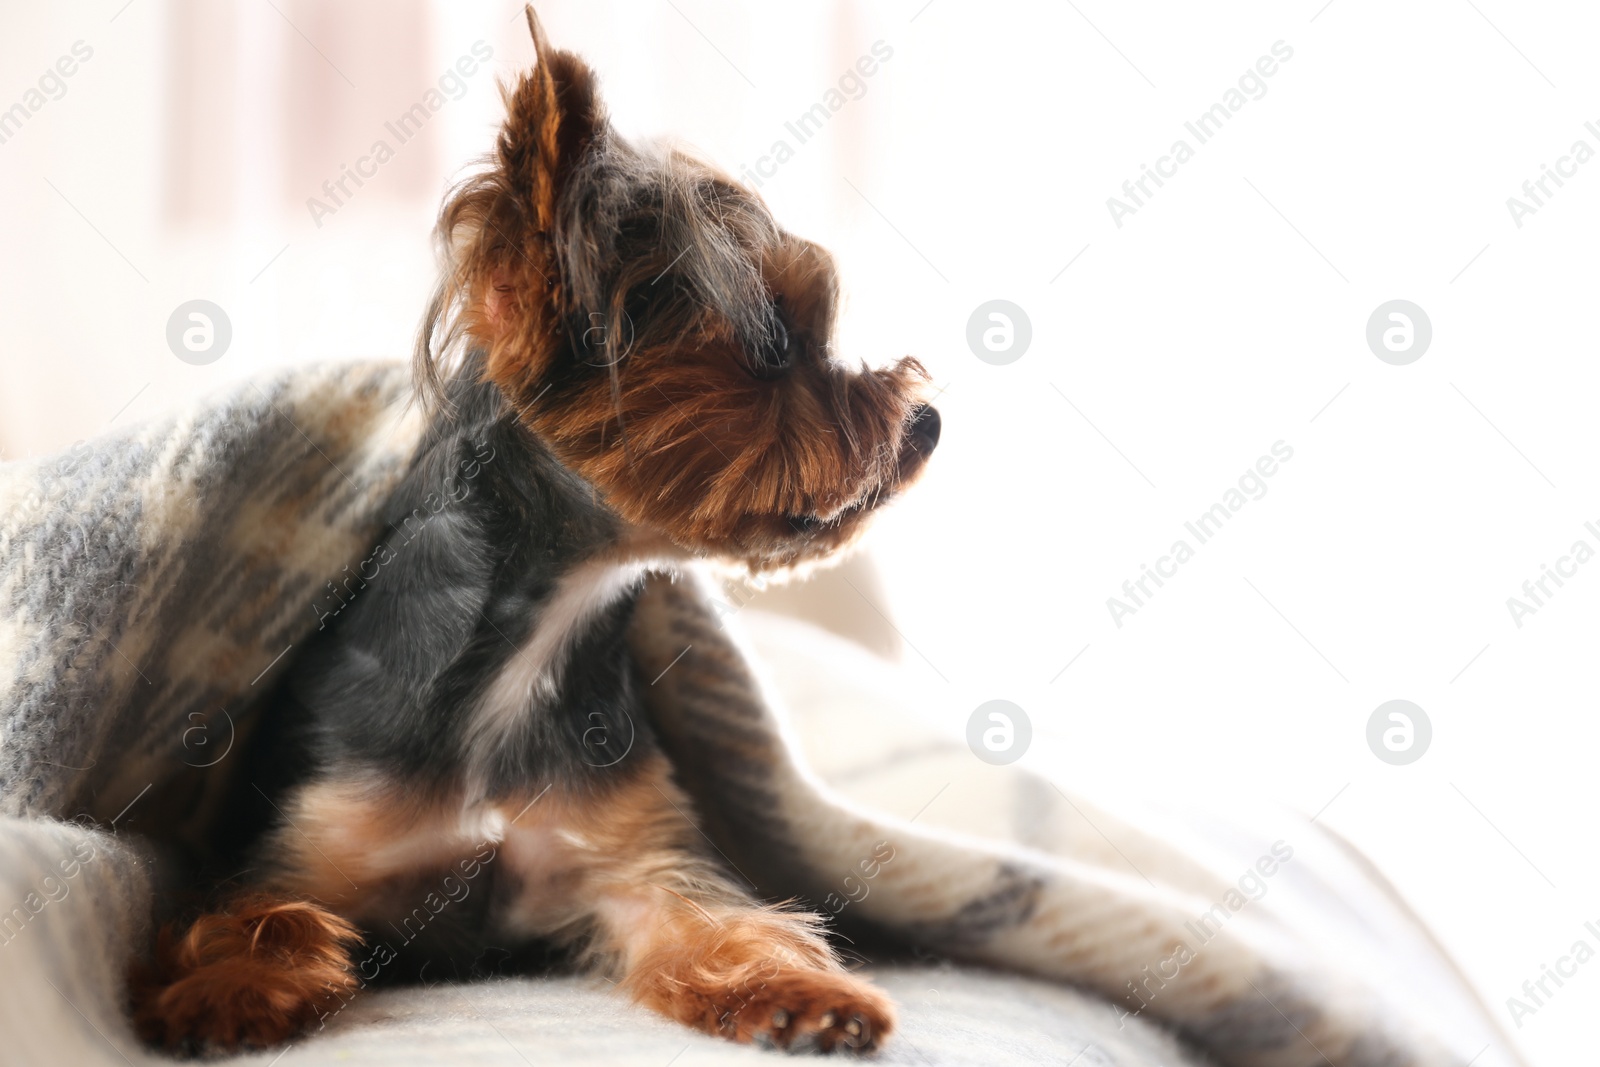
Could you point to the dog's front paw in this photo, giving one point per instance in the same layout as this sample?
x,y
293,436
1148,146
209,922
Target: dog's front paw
x,y
255,974
802,1006
755,974
806,1009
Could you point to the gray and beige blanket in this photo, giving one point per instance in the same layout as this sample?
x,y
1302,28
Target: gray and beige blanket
x,y
155,581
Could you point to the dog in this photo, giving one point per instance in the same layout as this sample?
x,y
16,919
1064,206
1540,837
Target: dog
x,y
628,367
631,361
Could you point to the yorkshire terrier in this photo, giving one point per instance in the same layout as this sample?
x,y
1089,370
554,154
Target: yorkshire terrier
x,y
628,363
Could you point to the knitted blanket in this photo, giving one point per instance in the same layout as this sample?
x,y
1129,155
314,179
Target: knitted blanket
x,y
156,581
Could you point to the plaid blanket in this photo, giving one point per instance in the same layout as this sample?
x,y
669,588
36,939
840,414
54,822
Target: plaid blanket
x,y
155,581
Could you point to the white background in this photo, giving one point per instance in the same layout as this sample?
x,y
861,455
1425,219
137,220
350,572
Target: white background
x,y
1227,314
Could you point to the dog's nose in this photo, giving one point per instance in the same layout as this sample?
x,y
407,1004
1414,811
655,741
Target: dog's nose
x,y
925,426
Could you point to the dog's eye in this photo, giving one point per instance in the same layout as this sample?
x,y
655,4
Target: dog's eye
x,y
773,357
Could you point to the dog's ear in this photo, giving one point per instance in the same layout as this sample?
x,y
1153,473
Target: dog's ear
x,y
553,119
502,288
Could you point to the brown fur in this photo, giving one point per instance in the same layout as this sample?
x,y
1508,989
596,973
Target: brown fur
x,y
756,974
569,225
254,973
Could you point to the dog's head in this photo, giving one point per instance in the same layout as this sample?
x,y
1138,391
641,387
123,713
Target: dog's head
x,y
652,323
